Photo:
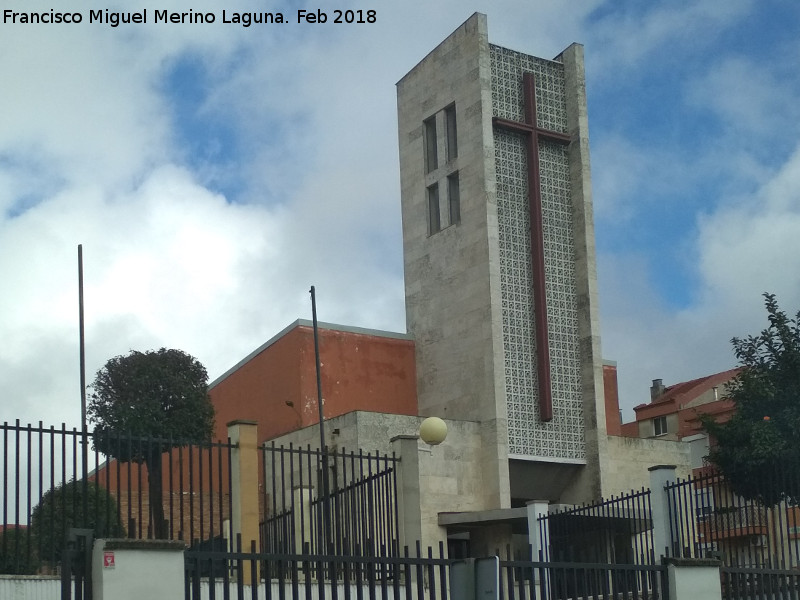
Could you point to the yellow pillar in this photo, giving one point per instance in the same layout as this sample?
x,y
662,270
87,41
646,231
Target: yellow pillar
x,y
244,487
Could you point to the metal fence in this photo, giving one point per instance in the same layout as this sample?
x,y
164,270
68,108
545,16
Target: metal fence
x,y
358,510
759,584
417,576
618,530
707,519
55,479
553,580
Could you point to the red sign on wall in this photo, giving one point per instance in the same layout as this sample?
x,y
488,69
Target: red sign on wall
x,y
108,560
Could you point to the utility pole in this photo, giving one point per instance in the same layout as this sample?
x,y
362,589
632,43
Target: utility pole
x,y
326,520
82,340
82,352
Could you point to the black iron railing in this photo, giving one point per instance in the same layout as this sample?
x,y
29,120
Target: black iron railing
x,y
562,580
359,510
418,575
54,479
759,584
616,530
708,519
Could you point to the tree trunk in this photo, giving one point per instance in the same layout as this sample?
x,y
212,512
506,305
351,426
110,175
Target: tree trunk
x,y
155,484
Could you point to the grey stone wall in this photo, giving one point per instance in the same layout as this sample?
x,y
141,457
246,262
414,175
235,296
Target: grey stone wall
x,y
630,458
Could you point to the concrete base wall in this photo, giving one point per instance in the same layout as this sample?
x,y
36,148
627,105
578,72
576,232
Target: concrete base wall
x,y
693,578
140,569
29,587
628,459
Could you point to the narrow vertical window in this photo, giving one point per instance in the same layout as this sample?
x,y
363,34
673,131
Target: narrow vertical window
x,y
454,198
434,223
452,136
431,158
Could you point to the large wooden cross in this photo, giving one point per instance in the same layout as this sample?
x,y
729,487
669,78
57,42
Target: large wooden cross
x,y
532,134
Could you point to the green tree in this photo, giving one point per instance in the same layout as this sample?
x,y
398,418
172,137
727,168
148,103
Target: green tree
x,y
144,403
62,507
757,449
17,552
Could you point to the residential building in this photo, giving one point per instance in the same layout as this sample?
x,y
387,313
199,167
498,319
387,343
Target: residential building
x,y
674,411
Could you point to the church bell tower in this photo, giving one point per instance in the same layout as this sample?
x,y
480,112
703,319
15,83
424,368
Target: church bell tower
x,y
499,257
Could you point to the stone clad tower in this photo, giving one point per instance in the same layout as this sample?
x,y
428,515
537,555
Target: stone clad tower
x,y
500,276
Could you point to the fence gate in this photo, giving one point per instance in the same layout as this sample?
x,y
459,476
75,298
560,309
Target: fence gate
x,y
316,502
76,565
618,530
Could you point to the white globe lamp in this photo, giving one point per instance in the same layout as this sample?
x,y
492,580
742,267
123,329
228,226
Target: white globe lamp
x,y
433,431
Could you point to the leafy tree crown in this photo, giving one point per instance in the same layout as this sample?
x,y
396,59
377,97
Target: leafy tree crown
x,y
161,394
62,507
757,449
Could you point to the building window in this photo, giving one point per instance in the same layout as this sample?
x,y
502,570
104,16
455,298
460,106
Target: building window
x,y
431,157
441,177
452,136
703,503
454,198
434,223
660,426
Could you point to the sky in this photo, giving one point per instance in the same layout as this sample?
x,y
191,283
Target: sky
x,y
214,172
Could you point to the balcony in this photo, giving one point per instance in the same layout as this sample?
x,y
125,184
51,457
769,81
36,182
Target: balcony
x,y
728,522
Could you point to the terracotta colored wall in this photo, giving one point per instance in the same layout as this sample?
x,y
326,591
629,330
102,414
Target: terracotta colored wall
x,y
205,469
359,372
259,389
611,391
630,429
198,515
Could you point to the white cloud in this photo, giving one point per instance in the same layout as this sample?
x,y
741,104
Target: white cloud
x,y
69,111
753,100
754,245
170,263
630,35
742,250
629,177
163,264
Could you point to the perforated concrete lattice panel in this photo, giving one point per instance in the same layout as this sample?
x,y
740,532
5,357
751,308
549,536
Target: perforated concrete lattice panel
x,y
563,437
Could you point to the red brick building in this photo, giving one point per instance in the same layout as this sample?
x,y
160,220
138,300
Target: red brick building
x,y
276,385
